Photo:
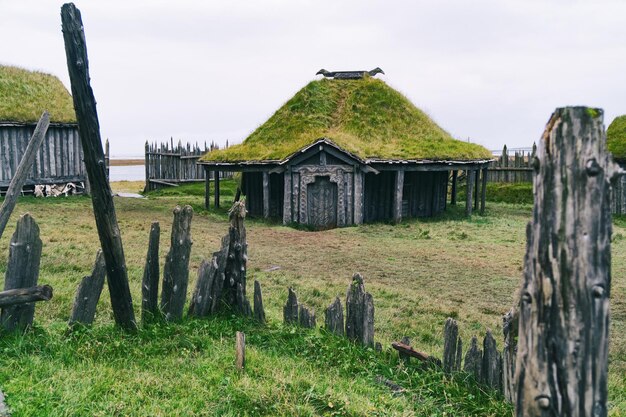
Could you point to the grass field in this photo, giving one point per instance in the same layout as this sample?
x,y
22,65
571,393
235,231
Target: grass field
x,y
419,273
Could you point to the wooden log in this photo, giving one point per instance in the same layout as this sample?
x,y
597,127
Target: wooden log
x,y
490,371
25,295
455,174
359,313
469,179
259,311
22,272
473,359
450,338
306,317
408,350
151,274
510,328
216,181
240,351
333,320
476,189
102,197
88,294
176,270
19,178
207,189
562,358
483,191
406,359
290,309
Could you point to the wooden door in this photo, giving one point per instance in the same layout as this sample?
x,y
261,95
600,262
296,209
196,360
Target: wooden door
x,y
322,203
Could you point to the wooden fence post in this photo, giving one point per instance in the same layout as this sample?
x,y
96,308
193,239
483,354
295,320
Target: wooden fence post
x,y
240,351
22,272
451,341
473,359
259,311
333,320
290,309
562,357
359,313
15,187
176,270
150,282
88,293
102,198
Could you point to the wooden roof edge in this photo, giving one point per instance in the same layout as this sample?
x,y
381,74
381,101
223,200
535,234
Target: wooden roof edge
x,y
6,123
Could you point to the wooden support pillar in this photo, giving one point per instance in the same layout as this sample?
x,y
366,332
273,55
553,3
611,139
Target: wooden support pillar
x,y
397,197
469,188
216,180
483,192
207,187
476,188
266,194
455,174
287,197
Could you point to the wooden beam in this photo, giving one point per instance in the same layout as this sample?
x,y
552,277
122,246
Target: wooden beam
x,y
207,187
25,295
266,195
216,181
483,193
476,188
397,197
469,187
102,198
23,169
455,174
409,351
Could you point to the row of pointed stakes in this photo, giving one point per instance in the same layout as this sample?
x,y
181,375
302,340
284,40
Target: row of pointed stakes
x,y
188,148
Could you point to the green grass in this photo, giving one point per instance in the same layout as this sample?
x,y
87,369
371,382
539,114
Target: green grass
x,y
503,192
419,273
365,117
616,138
24,95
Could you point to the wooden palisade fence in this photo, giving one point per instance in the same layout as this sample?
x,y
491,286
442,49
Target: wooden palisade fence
x,y
512,168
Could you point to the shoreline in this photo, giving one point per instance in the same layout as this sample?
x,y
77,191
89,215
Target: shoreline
x,y
126,162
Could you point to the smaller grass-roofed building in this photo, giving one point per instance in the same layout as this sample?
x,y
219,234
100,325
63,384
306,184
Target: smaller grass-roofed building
x,y
349,151
24,95
616,144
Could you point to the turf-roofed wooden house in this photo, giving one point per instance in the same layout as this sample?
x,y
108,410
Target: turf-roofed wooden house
x,y
344,152
24,95
616,144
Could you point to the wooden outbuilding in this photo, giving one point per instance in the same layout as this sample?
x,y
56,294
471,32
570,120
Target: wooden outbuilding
x,y
24,95
344,152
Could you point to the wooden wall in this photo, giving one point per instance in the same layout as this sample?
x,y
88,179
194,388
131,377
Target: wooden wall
x,y
59,160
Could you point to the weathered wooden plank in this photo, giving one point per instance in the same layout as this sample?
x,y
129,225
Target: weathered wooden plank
x,y
510,329
306,317
287,198
17,182
290,309
450,338
483,191
240,351
473,359
408,350
216,181
359,313
455,174
397,196
469,188
176,269
25,295
562,358
491,371
88,294
259,311
334,318
150,281
102,197
266,194
22,271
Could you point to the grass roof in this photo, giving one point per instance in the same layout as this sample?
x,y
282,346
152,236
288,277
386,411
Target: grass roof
x,y
365,117
24,95
616,138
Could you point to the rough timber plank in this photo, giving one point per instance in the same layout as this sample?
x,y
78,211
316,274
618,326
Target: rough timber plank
x,y
88,293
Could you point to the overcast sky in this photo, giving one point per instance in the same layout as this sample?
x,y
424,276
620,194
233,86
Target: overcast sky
x,y
485,70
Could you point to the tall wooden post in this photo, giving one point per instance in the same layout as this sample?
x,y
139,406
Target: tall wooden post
x,y
216,174
469,187
562,358
102,198
207,187
147,166
476,188
483,192
455,174
397,197
266,194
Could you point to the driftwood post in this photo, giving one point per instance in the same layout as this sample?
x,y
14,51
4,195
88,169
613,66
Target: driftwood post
x,y
150,281
22,272
562,357
102,198
17,182
88,293
176,270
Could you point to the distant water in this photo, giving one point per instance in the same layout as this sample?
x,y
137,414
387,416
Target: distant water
x,y
127,173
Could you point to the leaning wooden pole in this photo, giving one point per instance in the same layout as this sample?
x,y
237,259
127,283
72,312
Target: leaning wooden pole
x,y
562,357
15,187
102,199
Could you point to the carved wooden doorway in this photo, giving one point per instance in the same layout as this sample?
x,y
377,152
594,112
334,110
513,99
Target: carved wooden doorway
x,y
322,203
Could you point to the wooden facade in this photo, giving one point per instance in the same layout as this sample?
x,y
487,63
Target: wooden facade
x,y
323,186
59,160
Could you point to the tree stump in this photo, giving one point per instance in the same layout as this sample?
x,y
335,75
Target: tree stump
x,y
333,320
88,293
259,312
150,282
473,359
562,358
176,270
359,313
22,272
290,309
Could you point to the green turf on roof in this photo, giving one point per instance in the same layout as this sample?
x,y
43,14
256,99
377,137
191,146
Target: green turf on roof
x,y
24,95
365,117
616,138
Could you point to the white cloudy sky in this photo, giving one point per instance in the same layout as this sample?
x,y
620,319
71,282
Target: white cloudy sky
x,y
488,70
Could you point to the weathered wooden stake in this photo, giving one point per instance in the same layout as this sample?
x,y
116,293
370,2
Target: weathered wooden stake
x,y
290,309
88,293
334,318
150,281
306,317
102,198
25,295
18,180
491,370
562,357
359,313
259,312
473,359
176,270
450,339
510,327
22,272
455,174
201,304
405,358
469,188
240,351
